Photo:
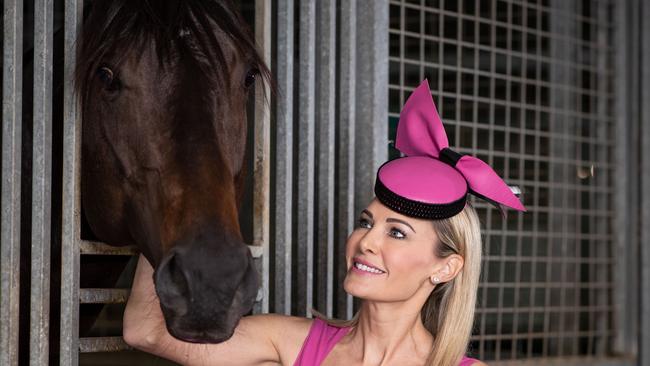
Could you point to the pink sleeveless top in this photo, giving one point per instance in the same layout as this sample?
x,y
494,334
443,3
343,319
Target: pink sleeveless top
x,y
323,337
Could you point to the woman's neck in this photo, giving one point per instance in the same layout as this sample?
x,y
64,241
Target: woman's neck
x,y
390,331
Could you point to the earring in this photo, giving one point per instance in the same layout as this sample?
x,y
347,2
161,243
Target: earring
x,y
436,280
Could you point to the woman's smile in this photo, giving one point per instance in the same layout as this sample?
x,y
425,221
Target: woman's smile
x,y
365,268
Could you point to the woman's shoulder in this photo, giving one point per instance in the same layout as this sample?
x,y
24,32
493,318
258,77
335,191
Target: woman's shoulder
x,y
278,326
286,332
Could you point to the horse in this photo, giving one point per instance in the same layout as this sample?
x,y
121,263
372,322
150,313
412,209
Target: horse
x,y
163,88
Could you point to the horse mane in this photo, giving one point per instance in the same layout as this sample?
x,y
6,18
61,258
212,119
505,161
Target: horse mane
x,y
176,27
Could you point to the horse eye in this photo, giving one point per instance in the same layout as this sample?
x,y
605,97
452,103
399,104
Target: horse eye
x,y
105,75
250,77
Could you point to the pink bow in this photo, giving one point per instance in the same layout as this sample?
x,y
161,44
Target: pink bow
x,y
420,133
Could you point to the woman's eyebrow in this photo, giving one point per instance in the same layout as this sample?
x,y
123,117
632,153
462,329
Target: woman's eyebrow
x,y
400,221
367,213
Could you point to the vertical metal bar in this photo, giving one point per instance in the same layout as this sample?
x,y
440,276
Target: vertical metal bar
x,y
325,120
626,290
603,323
262,148
306,152
41,184
371,133
69,343
345,131
560,210
644,171
284,157
11,155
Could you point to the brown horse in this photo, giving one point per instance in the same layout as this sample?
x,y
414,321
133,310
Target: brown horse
x,y
164,87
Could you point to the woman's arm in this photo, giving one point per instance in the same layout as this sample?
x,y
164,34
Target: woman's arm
x,y
257,340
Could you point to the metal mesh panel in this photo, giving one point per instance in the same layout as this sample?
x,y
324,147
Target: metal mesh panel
x,y
527,87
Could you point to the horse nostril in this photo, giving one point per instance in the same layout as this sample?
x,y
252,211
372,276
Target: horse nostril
x,y
172,280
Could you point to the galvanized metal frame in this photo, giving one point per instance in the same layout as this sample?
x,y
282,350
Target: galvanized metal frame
x,y
283,159
316,152
325,95
306,107
11,166
346,152
644,173
71,210
626,186
371,90
41,183
632,186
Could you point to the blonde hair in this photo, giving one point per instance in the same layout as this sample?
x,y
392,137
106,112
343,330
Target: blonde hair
x,y
448,313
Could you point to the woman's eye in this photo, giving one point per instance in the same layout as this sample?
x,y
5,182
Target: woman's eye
x,y
364,223
250,77
397,233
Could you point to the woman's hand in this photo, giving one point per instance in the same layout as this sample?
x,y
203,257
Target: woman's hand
x,y
144,325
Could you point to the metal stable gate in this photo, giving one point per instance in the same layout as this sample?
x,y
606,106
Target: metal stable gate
x,y
315,151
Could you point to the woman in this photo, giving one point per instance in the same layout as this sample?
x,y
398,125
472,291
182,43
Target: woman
x,y
414,260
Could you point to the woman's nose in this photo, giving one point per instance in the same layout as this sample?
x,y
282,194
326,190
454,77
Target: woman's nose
x,y
368,242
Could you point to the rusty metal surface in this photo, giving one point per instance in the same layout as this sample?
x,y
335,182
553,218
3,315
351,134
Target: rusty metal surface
x,y
99,248
103,295
102,344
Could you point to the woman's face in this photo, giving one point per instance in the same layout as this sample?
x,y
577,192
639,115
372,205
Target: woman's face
x,y
389,256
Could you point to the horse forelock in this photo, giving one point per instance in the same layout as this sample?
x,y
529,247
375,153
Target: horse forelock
x,y
177,28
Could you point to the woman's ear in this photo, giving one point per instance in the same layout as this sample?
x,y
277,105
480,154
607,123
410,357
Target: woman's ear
x,y
451,266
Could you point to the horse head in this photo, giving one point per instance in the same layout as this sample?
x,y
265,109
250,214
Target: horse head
x,y
163,88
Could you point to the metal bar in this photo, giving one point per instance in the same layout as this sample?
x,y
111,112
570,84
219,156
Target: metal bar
x,y
306,154
345,132
625,270
325,122
262,149
118,295
103,295
11,164
69,341
102,344
603,321
98,248
41,184
644,172
283,213
558,172
371,134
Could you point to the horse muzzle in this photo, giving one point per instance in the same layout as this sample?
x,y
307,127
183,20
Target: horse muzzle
x,y
205,290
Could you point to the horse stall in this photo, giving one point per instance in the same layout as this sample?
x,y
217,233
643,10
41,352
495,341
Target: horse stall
x,y
314,144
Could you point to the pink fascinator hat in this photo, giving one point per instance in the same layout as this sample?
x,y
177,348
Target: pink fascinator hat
x,y
432,181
